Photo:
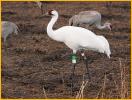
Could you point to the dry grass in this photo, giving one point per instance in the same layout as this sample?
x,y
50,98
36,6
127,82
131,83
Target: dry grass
x,y
44,92
80,94
123,88
101,93
121,85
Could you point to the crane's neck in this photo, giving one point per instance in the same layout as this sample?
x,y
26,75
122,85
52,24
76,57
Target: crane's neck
x,y
51,23
99,26
51,33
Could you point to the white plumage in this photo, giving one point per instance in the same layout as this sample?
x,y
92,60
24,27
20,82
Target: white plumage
x,y
8,28
90,18
77,38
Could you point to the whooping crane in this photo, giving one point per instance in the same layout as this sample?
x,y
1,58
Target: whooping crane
x,y
77,38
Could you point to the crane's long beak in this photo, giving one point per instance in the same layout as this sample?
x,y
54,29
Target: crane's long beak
x,y
46,14
110,27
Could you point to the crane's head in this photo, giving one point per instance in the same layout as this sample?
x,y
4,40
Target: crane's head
x,y
52,13
108,25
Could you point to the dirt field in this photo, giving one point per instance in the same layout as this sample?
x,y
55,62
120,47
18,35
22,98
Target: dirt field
x,y
32,62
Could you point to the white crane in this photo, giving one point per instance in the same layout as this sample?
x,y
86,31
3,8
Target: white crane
x,y
8,28
77,38
90,18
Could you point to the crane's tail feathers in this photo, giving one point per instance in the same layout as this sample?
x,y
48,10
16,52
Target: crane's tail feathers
x,y
108,53
106,46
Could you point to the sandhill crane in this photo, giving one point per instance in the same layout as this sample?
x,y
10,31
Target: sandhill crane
x,y
41,4
90,18
8,28
77,38
108,5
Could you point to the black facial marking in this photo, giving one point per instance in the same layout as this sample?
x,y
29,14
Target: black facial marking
x,y
50,12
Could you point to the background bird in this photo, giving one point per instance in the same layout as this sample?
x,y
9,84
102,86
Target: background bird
x,y
42,5
89,18
8,28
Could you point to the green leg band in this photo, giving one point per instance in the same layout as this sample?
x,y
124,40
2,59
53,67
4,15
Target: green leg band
x,y
74,58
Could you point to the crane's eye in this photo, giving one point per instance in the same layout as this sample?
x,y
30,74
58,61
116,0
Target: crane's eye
x,y
50,12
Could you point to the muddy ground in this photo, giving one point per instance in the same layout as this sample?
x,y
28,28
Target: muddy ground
x,y
32,62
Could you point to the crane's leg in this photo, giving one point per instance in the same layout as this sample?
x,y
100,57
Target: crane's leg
x,y
88,72
42,9
72,76
86,62
82,55
74,58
